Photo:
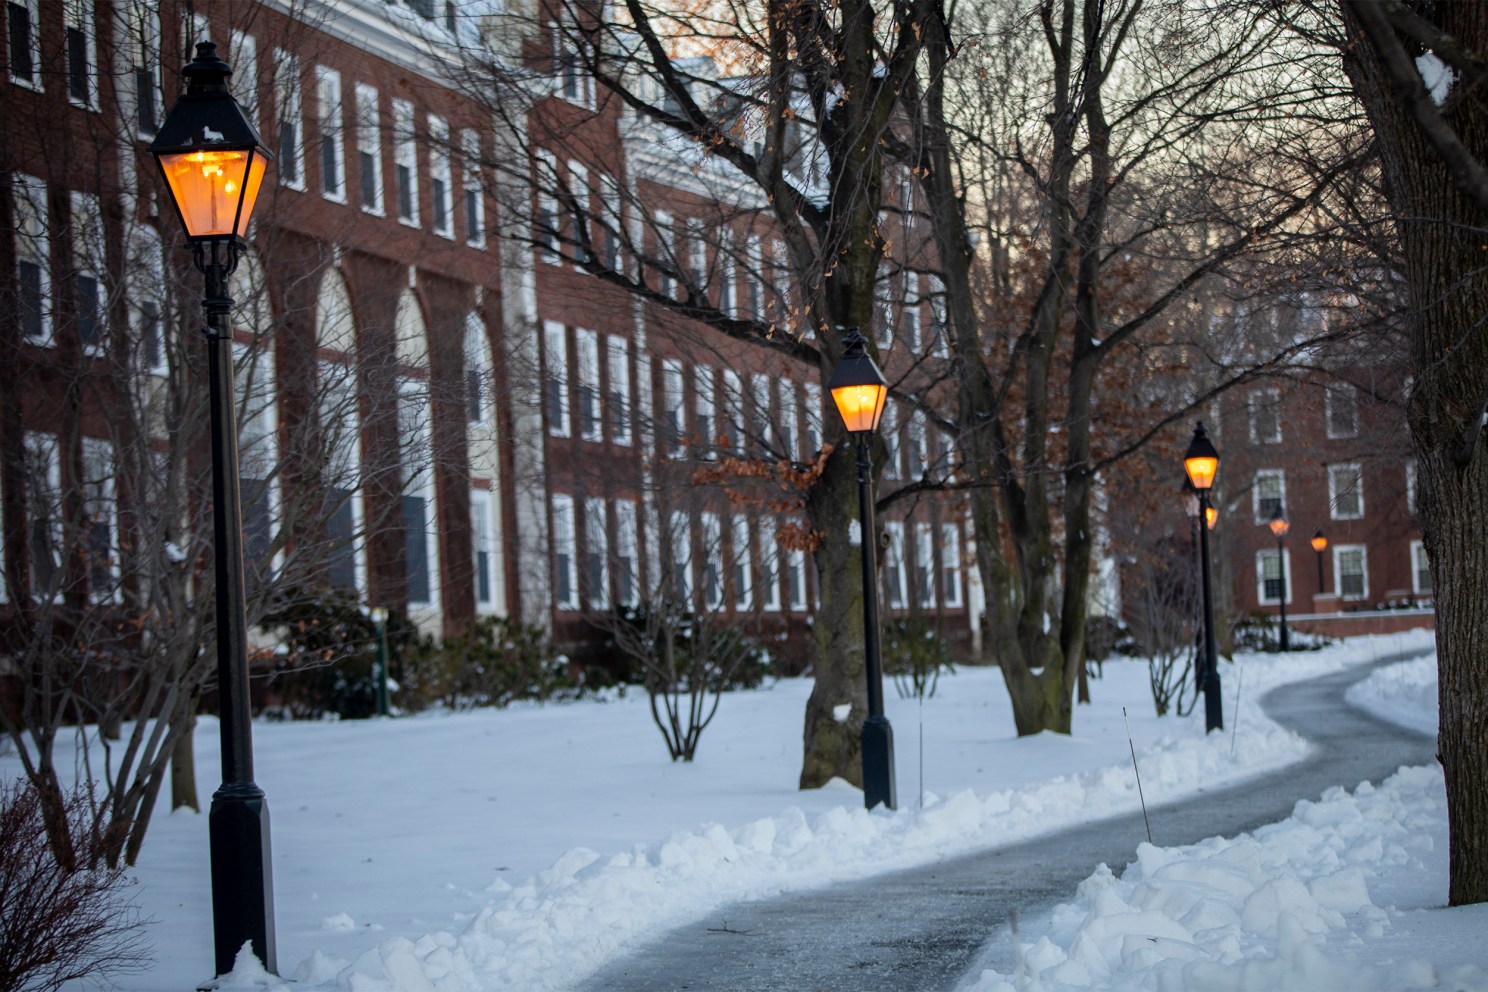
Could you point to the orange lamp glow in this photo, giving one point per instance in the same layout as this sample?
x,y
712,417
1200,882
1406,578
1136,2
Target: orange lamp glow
x,y
1201,461
1319,542
1211,514
1278,524
858,387
215,190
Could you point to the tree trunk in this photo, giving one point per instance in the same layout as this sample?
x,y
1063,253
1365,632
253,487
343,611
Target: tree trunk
x,y
1442,232
183,769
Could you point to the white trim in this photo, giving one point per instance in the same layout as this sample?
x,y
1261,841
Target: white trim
x,y
89,261
1346,490
79,15
1258,403
33,38
679,557
769,564
627,553
705,410
416,461
329,122
743,562
565,565
950,565
545,217
1258,514
617,394
596,553
673,408
340,430
925,563
790,421
712,578
590,409
1261,558
1419,561
32,230
1339,552
42,462
257,398
441,177
895,593
405,162
472,183
369,150
796,582
289,112
556,401
101,501
1337,399
483,541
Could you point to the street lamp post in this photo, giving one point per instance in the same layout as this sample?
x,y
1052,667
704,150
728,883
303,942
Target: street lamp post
x,y
1193,508
1319,544
1279,527
213,162
1201,462
859,390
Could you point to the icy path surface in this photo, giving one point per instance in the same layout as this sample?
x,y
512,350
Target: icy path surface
x,y
922,929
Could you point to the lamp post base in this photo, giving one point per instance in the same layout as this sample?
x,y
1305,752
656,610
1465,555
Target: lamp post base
x,y
878,763
242,883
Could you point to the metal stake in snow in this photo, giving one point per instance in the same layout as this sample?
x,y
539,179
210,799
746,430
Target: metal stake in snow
x,y
922,749
1143,798
1239,678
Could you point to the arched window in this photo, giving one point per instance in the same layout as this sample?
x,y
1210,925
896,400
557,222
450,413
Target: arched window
x,y
338,410
416,456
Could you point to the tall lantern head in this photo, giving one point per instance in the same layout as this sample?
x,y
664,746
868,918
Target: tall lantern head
x,y
1279,524
857,386
1201,460
1319,542
210,153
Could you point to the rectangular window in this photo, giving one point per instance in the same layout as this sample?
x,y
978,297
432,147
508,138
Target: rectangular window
x,y
911,313
82,54
477,371
697,255
545,218
610,223
596,554
935,291
883,308
728,293
759,412
1421,582
795,579
369,148
89,258
1274,577
1341,403
950,564
754,265
1349,565
1268,494
483,549
925,563
789,419
100,520
340,438
712,561
894,571
441,194
769,577
1410,485
666,254
288,114
258,452
420,519
332,146
578,209
43,496
813,419
143,20
555,357
627,564
888,429
572,80
1346,491
473,183
1265,416
23,31
706,409
244,58
743,573
590,425
151,337
405,162
89,315
673,411
565,565
732,421
617,391
679,553
919,446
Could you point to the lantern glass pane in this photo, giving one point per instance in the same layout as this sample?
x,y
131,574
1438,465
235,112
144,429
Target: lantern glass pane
x,y
860,406
208,186
1201,471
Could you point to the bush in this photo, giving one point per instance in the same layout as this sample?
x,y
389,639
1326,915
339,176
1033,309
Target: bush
x,y
499,662
60,923
915,656
1259,631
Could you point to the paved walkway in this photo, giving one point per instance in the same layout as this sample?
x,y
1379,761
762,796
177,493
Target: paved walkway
x,y
923,929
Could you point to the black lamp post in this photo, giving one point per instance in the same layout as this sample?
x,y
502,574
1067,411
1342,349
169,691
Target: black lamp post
x,y
859,390
1319,544
1279,527
1201,462
213,162
1193,509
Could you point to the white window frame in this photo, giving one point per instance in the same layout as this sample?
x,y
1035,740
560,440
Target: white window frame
x,y
769,565
754,290
578,217
590,409
244,58
441,177
950,565
813,419
571,81
918,453
1420,561
97,488
474,189
728,290
712,587
612,225
939,332
545,218
418,478
556,405
679,556
142,24
674,407
1262,557
888,428
742,559
33,247
759,406
478,391
1339,551
731,424
565,560
1410,485
1340,398
1341,489
43,447
369,149
883,308
924,533
483,541
343,443
705,410
910,312
597,552
627,554
1256,404
33,9
89,260
617,391
329,119
666,254
1258,514
405,162
78,15
289,111
896,588
790,423
257,415
795,580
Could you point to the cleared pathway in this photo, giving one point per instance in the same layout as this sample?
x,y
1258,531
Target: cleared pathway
x,y
921,930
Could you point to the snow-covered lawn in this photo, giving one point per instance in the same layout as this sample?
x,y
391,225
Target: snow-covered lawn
x,y
521,849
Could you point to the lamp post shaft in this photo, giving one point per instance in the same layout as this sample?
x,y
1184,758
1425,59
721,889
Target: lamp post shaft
x,y
1283,645
878,736
1213,704
1321,590
238,823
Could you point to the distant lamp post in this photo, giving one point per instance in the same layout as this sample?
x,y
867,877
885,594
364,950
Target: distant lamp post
x,y
1279,527
213,162
1319,544
1194,510
859,390
1201,462
379,617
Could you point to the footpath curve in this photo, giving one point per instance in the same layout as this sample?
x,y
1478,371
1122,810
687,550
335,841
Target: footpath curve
x,y
923,929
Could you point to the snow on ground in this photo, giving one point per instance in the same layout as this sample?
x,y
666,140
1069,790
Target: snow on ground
x,y
521,849
1348,893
